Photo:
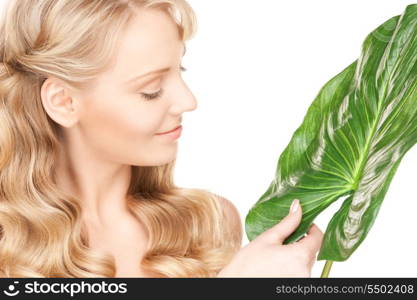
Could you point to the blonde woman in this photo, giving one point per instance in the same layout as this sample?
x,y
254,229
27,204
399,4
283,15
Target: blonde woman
x,y
87,89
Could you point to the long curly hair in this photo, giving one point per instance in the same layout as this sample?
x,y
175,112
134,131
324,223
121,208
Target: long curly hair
x,y
41,230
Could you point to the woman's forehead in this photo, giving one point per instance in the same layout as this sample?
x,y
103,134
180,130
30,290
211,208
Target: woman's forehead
x,y
150,42
150,33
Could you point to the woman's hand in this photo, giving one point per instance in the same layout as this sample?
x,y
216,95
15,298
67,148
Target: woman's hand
x,y
266,256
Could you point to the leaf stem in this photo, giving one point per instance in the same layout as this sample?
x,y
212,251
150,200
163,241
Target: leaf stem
x,y
326,269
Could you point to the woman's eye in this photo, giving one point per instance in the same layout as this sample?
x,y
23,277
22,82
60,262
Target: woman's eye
x,y
152,95
158,93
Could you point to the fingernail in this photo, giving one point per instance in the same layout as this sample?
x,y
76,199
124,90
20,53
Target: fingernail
x,y
294,206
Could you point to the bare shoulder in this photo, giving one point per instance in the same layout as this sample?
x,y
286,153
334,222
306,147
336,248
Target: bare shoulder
x,y
229,208
232,216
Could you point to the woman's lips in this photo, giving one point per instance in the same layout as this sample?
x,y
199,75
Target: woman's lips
x,y
172,134
170,130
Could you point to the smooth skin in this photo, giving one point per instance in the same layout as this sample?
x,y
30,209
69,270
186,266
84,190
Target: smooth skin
x,y
111,126
266,256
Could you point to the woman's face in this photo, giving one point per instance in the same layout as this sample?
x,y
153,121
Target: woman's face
x,y
116,118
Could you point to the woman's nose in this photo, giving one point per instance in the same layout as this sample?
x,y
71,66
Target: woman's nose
x,y
184,100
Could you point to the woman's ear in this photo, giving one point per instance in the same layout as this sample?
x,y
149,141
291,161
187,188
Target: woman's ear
x,y
58,104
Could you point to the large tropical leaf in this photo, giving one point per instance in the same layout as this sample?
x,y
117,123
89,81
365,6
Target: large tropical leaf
x,y
350,143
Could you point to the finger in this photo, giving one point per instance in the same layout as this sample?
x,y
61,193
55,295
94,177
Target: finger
x,y
313,239
279,232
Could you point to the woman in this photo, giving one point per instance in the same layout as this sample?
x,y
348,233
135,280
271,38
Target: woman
x,y
87,89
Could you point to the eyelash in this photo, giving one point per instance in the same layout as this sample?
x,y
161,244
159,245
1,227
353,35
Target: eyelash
x,y
157,94
153,95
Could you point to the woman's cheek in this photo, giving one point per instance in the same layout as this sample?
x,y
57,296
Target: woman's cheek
x,y
139,125
126,133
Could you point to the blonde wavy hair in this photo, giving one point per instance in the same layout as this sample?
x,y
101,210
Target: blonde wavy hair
x,y
41,231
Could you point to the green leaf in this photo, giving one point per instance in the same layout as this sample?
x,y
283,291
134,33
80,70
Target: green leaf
x,y
350,143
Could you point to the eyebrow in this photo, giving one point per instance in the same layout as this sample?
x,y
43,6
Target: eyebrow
x,y
159,71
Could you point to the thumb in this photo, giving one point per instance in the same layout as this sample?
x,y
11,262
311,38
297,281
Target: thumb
x,y
279,232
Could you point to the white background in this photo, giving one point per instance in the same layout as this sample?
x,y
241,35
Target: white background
x,y
255,67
